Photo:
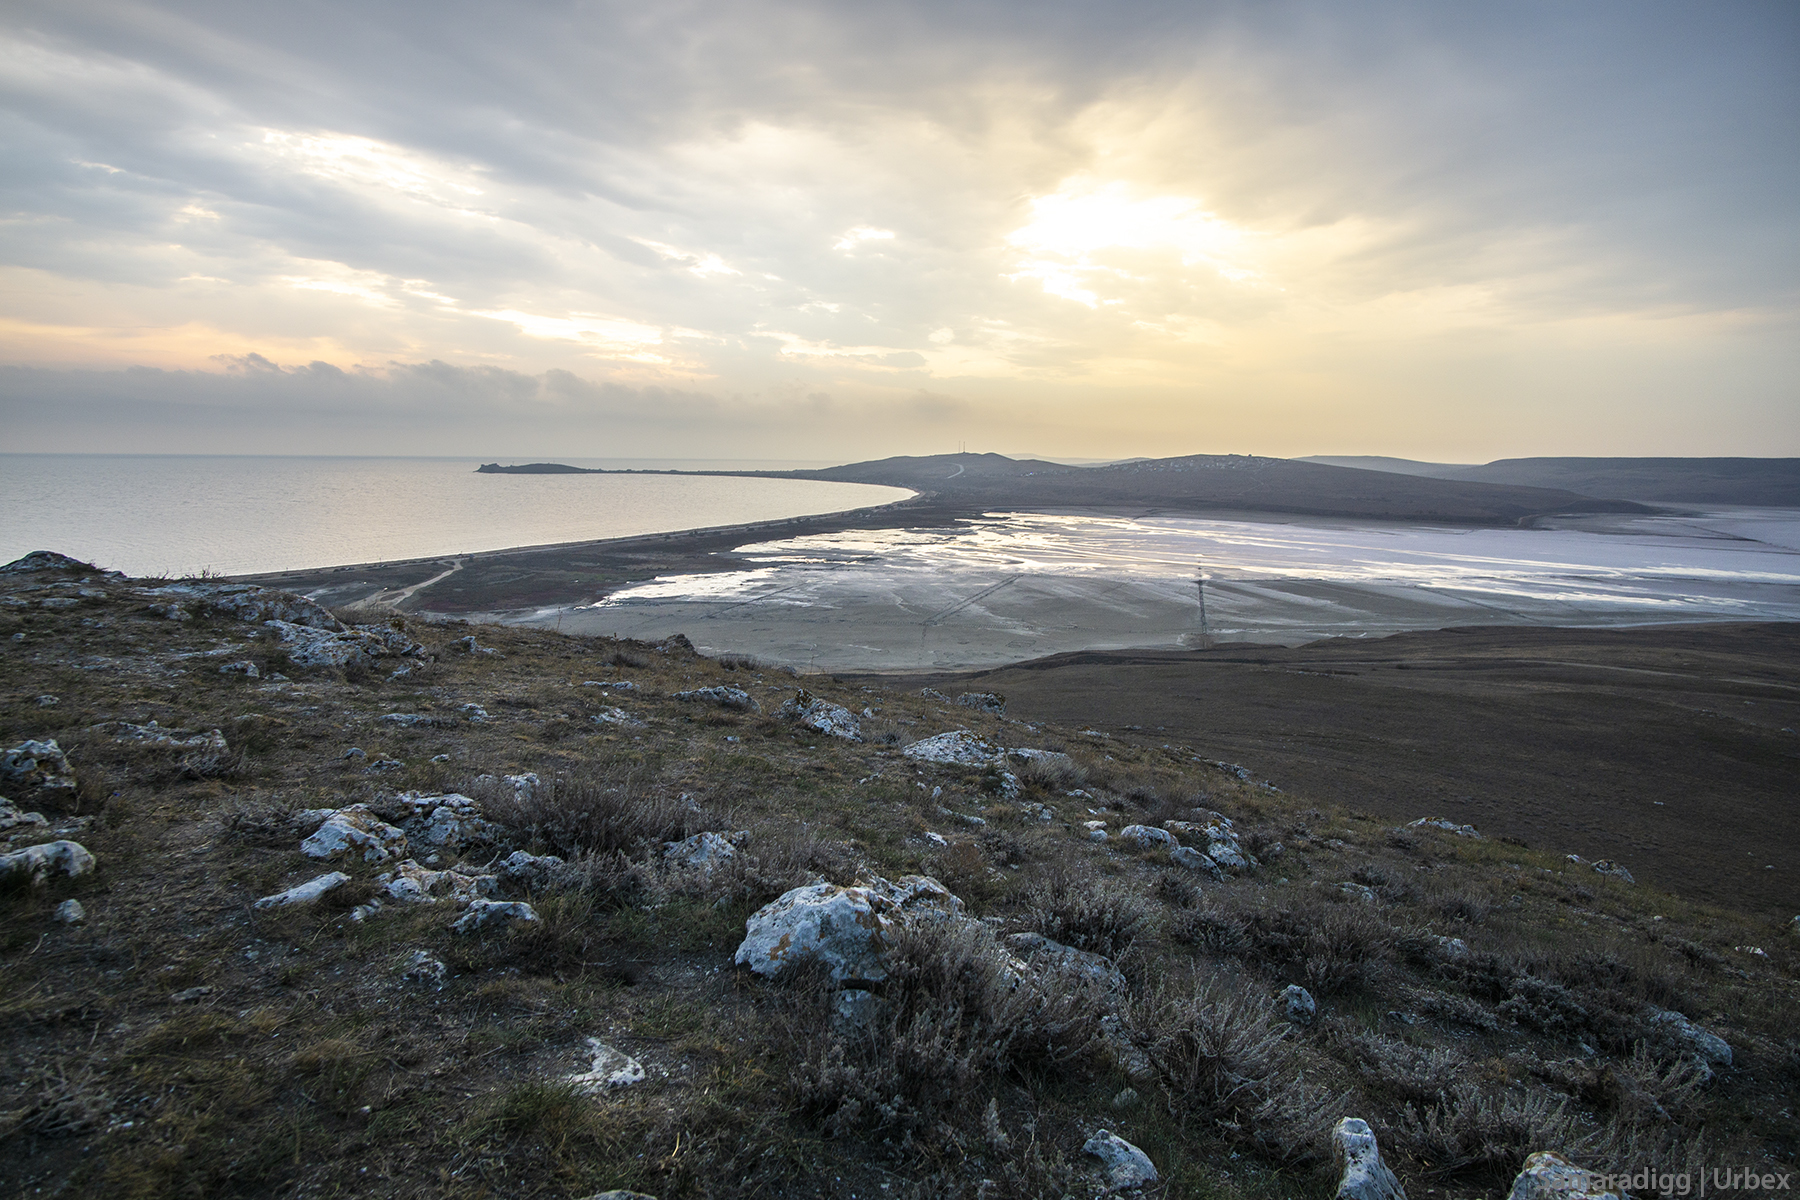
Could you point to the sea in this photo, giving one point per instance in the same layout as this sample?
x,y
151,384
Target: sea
x,y
238,515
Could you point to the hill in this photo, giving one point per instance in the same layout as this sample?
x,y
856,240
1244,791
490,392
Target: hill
x,y
377,907
1202,482
1771,482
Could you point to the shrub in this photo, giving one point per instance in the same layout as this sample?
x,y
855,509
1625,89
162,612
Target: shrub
x,y
1474,1130
1331,946
602,811
1089,913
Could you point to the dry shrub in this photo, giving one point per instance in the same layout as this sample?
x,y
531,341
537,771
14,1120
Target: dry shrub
x,y
739,662
598,812
1415,1074
1088,912
1327,945
952,1021
1055,772
1470,1129
1223,1060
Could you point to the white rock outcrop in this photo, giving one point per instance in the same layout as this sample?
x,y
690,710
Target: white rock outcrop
x,y
724,697
1195,860
1299,1004
1708,1047
485,912
1445,824
1043,956
38,863
987,702
1547,1175
822,716
958,748
1365,1176
356,830
413,884
305,893
1147,837
1126,1166
12,818
608,1069
846,929
703,852
154,735
37,765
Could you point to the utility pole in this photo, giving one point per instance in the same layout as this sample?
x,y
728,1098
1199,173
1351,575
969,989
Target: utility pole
x,y
1200,586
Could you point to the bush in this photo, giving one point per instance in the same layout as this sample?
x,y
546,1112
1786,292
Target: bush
x,y
952,1020
1223,1060
1089,913
595,813
1472,1130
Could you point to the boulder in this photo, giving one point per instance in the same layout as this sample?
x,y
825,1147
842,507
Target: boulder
x,y
702,852
1147,837
1708,1047
1607,866
987,702
242,667
447,819
12,818
425,967
1195,860
415,884
70,912
1096,830
609,1068
1547,1175
1299,1004
305,893
724,697
533,871
822,716
37,765
1126,1166
1365,1176
1043,956
844,928
355,830
485,912
245,602
38,863
958,748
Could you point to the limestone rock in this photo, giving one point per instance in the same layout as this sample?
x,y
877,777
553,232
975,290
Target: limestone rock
x,y
609,1069
154,735
305,893
724,697
1096,830
1607,866
533,871
38,863
703,852
356,830
246,602
845,928
486,912
1147,837
37,764
1547,1175
822,716
447,819
1446,824
1299,1004
424,966
1195,860
1044,956
958,748
987,702
1126,1166
1365,1176
49,560
413,884
916,896
1710,1048
70,912
12,818
244,667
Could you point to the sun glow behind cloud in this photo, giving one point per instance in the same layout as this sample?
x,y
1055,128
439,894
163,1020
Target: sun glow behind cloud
x,y
1258,230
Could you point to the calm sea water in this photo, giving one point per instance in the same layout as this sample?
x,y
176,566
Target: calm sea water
x,y
155,514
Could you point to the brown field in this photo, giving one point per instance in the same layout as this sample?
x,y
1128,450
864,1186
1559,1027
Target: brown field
x,y
1672,750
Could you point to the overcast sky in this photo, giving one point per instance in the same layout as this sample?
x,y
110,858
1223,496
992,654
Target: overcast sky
x,y
1450,231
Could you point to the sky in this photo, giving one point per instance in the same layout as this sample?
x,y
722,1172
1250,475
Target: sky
x,y
845,230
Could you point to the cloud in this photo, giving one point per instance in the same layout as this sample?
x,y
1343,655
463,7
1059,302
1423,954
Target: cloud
x,y
1280,208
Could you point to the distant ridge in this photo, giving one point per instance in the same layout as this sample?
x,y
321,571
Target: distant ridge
x,y
1193,483
1750,481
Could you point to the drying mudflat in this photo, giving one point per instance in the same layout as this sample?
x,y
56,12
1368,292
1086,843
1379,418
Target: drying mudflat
x,y
1005,587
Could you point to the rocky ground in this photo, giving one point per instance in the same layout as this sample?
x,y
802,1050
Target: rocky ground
x,y
306,903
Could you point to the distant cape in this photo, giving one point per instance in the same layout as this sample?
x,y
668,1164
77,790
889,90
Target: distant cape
x,y
537,469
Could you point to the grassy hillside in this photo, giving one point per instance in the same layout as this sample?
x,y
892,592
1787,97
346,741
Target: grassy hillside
x,y
1476,999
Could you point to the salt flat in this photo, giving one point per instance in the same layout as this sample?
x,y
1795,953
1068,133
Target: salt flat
x,y
1011,586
